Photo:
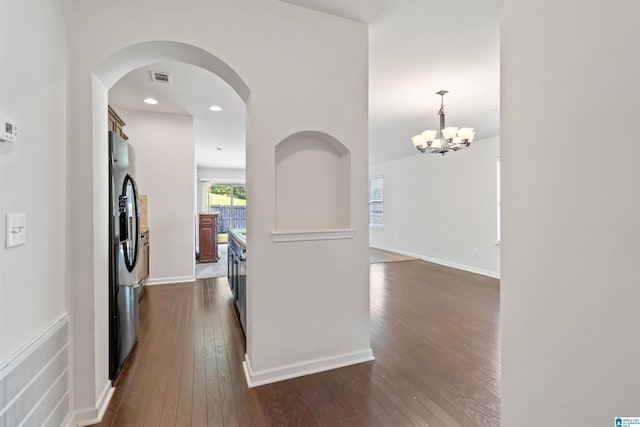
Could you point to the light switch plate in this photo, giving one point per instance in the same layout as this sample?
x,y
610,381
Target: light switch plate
x,y
16,232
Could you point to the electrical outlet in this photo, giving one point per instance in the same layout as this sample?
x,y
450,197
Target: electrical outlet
x,y
476,253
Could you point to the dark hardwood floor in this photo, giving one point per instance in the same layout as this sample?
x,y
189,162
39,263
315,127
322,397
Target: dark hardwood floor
x,y
434,331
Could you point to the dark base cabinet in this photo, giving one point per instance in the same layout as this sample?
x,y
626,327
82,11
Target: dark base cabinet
x,y
238,278
208,238
241,302
231,273
142,269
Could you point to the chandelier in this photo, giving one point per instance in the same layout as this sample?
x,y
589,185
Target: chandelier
x,y
445,139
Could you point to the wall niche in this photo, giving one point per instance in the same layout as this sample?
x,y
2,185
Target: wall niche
x,y
313,184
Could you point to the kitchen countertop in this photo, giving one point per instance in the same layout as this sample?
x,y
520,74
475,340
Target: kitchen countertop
x,y
239,235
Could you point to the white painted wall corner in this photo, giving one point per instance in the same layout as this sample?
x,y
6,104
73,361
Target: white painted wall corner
x,y
285,372
93,415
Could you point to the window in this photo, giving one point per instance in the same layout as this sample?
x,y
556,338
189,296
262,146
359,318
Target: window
x,y
498,198
231,202
375,202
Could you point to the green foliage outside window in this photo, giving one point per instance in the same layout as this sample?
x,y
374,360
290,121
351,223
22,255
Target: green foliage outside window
x,y
239,192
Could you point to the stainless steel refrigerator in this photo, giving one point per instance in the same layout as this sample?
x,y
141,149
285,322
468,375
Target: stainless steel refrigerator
x,y
124,247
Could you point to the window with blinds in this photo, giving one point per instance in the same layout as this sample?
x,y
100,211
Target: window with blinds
x,y
375,202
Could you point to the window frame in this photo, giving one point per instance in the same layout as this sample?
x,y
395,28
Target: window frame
x,y
377,201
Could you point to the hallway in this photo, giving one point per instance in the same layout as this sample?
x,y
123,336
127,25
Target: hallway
x,y
435,336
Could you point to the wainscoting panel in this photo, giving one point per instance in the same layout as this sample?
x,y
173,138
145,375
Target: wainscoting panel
x,y
34,385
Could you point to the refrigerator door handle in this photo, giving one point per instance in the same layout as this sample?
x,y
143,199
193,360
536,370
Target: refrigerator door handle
x,y
122,218
134,235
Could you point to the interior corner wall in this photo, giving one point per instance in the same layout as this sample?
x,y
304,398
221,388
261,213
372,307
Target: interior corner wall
x,y
34,292
164,171
442,208
33,172
570,163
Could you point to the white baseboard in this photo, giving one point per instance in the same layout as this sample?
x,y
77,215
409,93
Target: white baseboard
x,y
285,372
170,280
489,273
69,421
93,415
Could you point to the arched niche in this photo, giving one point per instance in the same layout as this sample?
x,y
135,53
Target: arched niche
x,y
313,184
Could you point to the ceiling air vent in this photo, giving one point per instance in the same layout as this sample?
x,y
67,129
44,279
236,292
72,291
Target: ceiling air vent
x,y
158,77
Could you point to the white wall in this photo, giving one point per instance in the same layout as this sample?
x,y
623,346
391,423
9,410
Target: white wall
x,y
165,169
442,208
571,202
222,175
306,71
33,171
225,131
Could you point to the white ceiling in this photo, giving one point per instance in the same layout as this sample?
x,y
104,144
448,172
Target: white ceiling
x,y
359,10
416,47
219,136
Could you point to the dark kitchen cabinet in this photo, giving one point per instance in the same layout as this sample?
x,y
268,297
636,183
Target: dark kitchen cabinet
x,y
208,241
143,258
241,302
142,268
237,275
232,264
115,123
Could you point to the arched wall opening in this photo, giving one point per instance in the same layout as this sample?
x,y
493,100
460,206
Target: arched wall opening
x,y
93,342
138,55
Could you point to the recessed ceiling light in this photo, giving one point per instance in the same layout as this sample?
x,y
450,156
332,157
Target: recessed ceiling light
x,y
215,108
150,101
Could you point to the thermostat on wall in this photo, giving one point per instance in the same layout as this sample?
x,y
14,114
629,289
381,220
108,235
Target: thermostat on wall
x,y
8,130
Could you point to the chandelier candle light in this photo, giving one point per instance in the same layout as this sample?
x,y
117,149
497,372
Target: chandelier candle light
x,y
451,138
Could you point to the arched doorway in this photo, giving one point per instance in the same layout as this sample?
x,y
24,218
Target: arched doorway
x,y
90,318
